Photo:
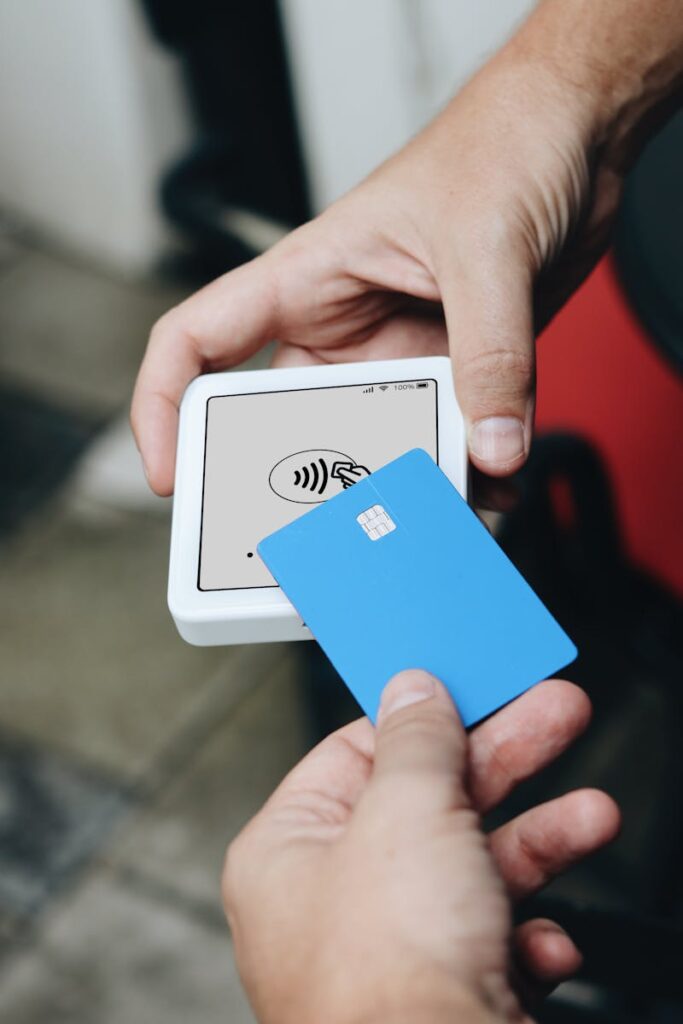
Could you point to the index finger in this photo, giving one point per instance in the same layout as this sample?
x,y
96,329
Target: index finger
x,y
327,783
219,326
523,737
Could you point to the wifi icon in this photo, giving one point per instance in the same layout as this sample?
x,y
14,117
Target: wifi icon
x,y
383,387
313,476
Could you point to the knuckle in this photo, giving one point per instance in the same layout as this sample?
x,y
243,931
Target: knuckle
x,y
501,369
136,415
492,239
133,419
540,863
500,361
494,235
487,229
233,877
422,725
162,326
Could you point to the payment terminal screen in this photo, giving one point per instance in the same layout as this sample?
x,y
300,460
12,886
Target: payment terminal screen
x,y
272,456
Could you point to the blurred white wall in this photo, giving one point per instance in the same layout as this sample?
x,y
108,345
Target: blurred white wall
x,y
91,110
369,73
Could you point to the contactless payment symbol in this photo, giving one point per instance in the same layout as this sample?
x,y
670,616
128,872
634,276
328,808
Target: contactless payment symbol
x,y
311,477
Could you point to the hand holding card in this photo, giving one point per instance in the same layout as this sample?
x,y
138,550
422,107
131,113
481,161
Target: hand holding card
x,y
397,572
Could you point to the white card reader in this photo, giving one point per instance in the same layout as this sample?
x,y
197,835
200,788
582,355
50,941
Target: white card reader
x,y
256,449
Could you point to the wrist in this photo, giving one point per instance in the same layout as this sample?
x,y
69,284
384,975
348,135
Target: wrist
x,y
441,1003
619,64
464,1011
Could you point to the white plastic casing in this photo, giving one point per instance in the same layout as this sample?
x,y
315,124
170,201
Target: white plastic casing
x,y
262,614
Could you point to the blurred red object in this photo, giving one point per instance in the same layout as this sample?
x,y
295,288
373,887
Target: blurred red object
x,y
600,376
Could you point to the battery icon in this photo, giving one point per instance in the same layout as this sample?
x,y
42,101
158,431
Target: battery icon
x,y
422,384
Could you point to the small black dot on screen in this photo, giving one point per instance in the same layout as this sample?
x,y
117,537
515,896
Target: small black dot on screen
x,y
250,554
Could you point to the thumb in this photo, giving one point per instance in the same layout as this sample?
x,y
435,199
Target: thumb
x,y
489,316
420,747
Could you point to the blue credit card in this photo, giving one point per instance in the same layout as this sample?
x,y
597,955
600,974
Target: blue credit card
x,y
397,572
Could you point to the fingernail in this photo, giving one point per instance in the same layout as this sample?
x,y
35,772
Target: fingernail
x,y
407,688
498,440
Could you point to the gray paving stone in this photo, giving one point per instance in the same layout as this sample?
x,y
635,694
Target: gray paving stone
x,y
113,955
12,928
180,840
53,816
92,663
74,333
11,245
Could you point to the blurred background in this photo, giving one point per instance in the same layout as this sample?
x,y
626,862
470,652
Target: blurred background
x,y
146,146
